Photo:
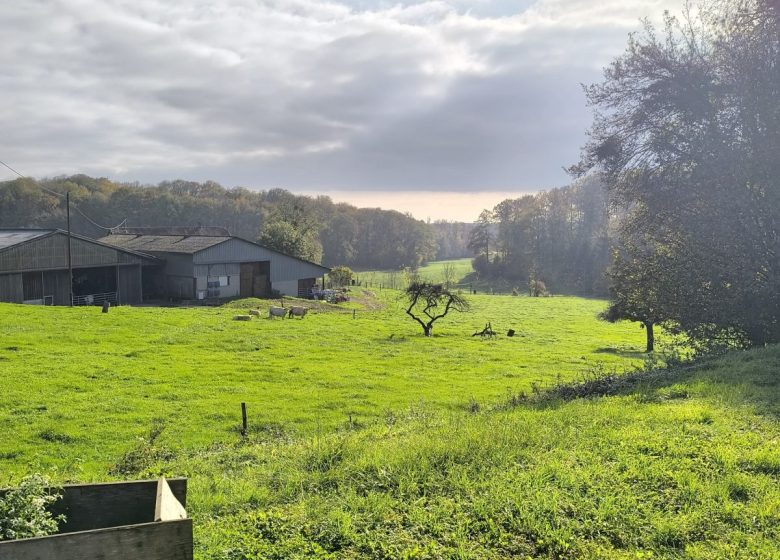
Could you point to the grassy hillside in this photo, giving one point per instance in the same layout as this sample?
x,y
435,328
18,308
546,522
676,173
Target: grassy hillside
x,y
80,386
461,273
674,466
368,440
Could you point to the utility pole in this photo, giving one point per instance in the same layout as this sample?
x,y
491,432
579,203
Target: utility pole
x,y
70,263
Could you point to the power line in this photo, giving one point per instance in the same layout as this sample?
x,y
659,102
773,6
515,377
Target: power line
x,y
12,169
94,223
55,193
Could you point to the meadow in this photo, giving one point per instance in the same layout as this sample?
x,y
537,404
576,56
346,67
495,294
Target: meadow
x,y
83,381
459,271
368,440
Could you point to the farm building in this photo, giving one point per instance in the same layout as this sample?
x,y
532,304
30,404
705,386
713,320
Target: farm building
x,y
34,269
207,263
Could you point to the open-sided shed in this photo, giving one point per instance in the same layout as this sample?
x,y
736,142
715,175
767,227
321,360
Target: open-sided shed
x,y
34,269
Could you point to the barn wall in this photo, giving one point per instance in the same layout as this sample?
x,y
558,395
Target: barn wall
x,y
286,287
180,287
283,267
11,288
177,264
55,284
129,284
51,252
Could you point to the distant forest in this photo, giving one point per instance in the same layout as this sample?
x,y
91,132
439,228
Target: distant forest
x,y
559,236
558,240
314,228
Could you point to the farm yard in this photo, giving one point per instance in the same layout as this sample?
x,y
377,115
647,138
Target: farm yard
x,y
367,440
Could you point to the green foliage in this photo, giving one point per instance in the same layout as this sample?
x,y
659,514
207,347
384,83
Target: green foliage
x,y
23,509
140,460
313,228
341,275
686,136
286,238
561,237
481,235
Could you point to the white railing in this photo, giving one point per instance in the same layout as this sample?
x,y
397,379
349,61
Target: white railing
x,y
96,299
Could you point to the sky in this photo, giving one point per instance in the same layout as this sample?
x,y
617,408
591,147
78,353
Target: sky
x,y
439,107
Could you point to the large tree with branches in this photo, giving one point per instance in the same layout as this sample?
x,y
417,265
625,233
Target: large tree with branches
x,y
686,137
427,303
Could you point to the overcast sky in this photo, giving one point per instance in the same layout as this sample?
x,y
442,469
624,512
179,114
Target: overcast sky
x,y
366,100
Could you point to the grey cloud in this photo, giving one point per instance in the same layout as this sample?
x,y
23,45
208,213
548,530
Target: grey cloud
x,y
305,94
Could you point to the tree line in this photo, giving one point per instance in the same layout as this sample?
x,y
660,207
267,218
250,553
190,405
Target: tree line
x,y
559,239
314,228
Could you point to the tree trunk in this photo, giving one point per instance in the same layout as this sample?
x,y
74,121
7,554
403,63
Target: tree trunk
x,y
427,330
650,337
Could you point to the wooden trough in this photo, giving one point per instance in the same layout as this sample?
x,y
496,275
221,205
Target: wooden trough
x,y
114,520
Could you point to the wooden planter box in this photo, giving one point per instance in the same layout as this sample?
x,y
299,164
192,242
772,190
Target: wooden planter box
x,y
110,521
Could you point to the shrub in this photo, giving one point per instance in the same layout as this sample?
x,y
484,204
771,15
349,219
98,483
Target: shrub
x,y
341,276
23,512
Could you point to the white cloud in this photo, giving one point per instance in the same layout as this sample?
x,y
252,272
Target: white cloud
x,y
305,94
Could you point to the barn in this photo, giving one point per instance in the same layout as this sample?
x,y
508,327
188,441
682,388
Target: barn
x,y
208,263
34,269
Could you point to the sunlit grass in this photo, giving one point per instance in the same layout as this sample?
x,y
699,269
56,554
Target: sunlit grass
x,y
98,380
368,440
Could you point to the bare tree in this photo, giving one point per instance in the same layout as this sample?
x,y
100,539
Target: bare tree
x,y
448,274
430,302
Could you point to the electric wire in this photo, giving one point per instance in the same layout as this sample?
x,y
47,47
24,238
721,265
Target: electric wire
x,y
76,208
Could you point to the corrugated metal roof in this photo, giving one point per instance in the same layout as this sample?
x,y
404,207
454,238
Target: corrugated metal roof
x,y
11,237
164,243
213,231
236,251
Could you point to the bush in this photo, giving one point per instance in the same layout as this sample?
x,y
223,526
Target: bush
x,y
23,512
341,276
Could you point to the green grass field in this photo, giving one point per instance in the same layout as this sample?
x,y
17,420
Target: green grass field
x,y
368,440
458,269
459,272
83,381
